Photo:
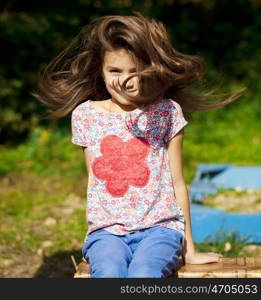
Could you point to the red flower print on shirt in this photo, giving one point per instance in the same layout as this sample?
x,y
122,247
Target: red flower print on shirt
x,y
165,113
122,164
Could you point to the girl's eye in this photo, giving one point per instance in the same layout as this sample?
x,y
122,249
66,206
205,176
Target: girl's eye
x,y
116,71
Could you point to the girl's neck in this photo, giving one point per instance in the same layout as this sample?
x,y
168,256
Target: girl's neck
x,y
117,107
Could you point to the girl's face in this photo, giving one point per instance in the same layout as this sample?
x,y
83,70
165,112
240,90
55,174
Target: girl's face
x,y
118,64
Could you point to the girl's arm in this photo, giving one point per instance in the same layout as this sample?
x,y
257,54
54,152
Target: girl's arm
x,y
190,255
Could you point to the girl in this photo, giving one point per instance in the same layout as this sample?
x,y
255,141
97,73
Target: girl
x,y
127,89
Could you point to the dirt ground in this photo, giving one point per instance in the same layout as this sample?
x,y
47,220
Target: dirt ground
x,y
36,265
237,201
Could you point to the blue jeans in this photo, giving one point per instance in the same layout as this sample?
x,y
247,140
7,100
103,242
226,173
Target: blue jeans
x,y
151,252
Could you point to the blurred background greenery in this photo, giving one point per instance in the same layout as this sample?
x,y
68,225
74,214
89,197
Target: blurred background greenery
x,y
43,176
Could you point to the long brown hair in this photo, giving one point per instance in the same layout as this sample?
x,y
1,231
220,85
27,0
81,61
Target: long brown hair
x,y
75,75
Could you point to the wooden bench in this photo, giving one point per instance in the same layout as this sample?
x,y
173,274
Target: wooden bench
x,y
238,267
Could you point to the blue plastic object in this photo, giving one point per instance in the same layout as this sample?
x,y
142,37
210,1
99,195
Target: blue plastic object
x,y
211,177
207,221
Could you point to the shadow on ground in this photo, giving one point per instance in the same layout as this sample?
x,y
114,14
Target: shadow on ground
x,y
59,265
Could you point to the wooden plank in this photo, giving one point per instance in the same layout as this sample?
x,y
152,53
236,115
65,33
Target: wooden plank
x,y
236,267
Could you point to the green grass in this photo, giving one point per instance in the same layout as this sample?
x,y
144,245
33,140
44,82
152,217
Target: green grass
x,y
214,137
45,153
25,211
229,244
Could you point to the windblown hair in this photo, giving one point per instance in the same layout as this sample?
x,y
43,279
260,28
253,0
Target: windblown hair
x,y
75,75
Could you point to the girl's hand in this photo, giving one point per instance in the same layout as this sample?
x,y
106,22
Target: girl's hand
x,y
202,258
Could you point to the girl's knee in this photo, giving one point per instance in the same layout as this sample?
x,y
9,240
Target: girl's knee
x,y
151,269
110,268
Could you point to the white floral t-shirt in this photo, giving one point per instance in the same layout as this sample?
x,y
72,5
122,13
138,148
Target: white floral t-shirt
x,y
130,184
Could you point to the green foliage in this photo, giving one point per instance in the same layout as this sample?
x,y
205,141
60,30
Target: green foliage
x,y
29,42
32,35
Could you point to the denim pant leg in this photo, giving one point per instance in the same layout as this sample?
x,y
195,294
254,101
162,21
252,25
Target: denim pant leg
x,y
108,255
157,253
